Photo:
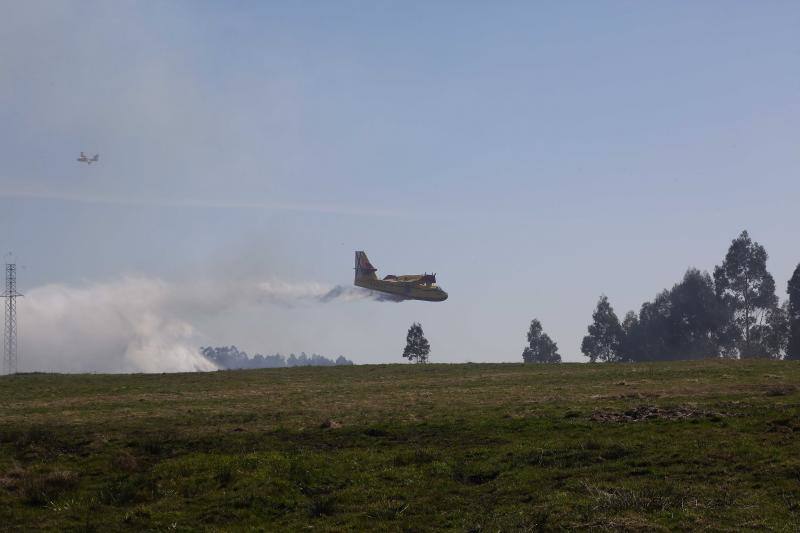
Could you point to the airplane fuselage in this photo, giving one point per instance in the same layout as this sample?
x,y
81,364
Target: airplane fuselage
x,y
404,289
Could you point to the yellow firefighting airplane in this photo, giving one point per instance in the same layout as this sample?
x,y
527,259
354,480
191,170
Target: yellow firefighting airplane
x,y
413,287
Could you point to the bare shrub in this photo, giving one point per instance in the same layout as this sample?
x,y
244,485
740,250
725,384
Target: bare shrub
x,y
125,461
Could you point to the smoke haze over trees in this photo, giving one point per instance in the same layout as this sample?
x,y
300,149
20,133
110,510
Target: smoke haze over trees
x,y
734,314
230,357
142,324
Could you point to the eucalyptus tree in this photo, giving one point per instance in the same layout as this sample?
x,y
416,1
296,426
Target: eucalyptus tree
x,y
743,283
604,341
793,315
417,347
541,348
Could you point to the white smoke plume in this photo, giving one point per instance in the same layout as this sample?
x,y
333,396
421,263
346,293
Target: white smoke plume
x,y
140,325
281,292
108,327
345,293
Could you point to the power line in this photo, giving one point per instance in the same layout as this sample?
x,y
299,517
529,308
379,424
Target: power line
x,y
10,330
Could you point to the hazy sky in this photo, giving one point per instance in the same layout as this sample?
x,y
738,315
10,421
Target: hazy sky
x,y
533,154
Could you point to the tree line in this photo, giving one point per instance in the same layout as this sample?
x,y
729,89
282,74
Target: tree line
x,y
735,313
230,358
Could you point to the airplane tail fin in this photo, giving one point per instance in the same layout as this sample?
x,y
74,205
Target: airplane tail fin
x,y
364,269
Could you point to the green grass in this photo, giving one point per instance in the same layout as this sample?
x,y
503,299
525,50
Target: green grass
x,y
476,447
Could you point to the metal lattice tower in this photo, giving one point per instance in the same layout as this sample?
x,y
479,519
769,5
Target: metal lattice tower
x,y
10,331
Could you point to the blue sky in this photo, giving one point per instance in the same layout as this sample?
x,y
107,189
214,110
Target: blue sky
x,y
533,154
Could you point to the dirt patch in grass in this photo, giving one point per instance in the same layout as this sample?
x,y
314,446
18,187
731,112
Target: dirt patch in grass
x,y
329,423
784,425
9,480
124,461
37,488
781,390
652,412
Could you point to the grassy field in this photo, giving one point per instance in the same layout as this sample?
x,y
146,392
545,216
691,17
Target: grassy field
x,y
477,447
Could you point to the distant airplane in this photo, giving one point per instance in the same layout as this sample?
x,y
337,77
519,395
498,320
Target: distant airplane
x,y
413,287
84,159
